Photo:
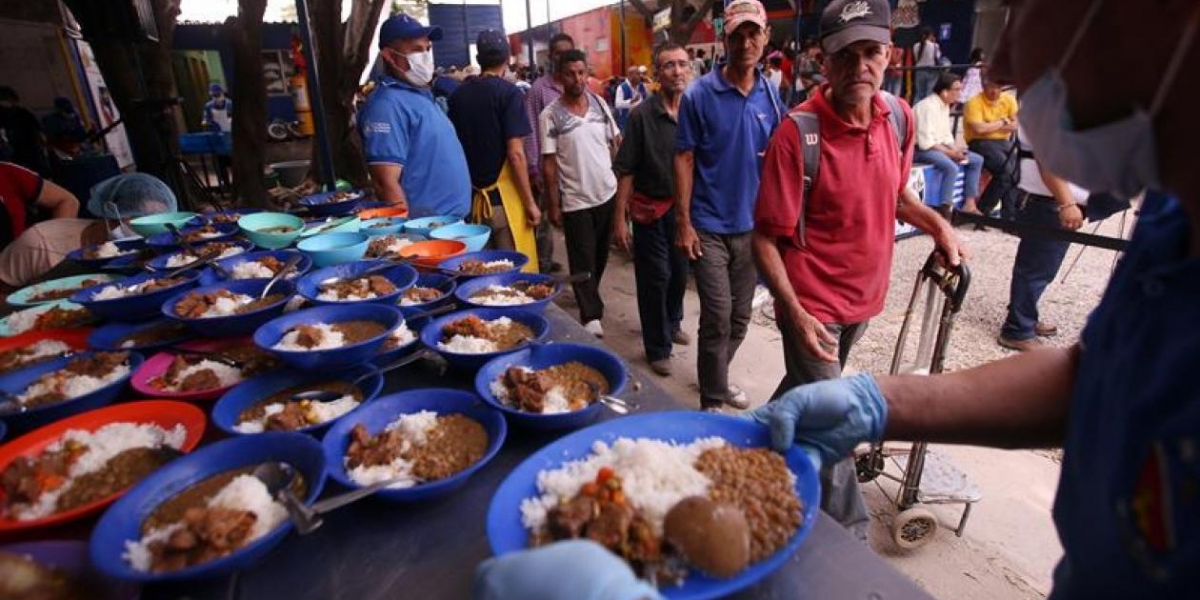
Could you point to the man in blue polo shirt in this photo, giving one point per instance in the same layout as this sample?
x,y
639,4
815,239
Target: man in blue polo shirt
x,y
412,151
725,122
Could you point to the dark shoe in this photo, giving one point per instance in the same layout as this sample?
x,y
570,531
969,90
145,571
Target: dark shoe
x,y
661,367
680,337
1020,345
1045,329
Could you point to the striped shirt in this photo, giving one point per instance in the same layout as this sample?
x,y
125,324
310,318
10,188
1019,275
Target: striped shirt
x,y
543,92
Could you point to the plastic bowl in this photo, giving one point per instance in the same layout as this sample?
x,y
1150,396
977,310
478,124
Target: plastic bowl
x,y
469,287
382,226
443,283
123,521
166,241
415,325
253,226
516,258
431,335
401,275
16,382
431,253
226,413
151,224
108,337
159,263
271,333
425,225
157,365
234,325
7,323
139,307
383,212
474,236
383,411
232,214
26,295
319,204
329,249
136,245
209,276
541,356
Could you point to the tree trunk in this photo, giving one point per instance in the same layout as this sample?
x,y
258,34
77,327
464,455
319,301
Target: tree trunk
x,y
250,94
341,52
150,126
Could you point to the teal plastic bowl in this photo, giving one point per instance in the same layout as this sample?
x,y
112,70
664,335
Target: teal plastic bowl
x,y
334,248
425,225
253,227
151,224
322,226
383,226
474,236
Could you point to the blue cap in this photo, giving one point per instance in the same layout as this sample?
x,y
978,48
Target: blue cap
x,y
215,88
404,27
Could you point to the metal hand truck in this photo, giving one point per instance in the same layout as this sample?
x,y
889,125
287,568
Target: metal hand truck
x,y
927,477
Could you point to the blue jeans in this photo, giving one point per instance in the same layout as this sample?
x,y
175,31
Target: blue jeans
x,y
894,85
661,271
948,167
1037,263
923,81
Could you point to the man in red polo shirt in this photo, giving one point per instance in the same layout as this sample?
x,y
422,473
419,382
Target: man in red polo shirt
x,y
24,193
824,245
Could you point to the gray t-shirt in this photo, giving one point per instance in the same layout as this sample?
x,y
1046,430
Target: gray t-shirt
x,y
582,147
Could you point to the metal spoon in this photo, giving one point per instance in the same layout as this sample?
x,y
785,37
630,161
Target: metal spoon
x,y
330,396
613,403
327,226
287,266
190,249
278,476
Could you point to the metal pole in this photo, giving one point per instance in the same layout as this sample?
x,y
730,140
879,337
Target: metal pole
x,y
621,28
529,33
466,34
325,167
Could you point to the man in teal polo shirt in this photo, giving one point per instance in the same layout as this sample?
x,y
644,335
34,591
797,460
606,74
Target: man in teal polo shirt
x,y
412,150
725,122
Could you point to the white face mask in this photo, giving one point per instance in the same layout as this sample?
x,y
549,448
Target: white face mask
x,y
420,68
1119,157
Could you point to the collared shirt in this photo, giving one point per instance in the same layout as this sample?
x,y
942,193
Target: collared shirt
x,y
543,91
727,133
841,269
933,123
1128,502
401,125
979,110
487,111
648,150
582,147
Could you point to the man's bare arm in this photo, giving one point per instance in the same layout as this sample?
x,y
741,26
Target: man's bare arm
x,y
60,203
385,178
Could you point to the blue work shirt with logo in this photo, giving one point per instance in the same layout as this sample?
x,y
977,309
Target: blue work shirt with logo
x,y
401,125
1128,504
727,133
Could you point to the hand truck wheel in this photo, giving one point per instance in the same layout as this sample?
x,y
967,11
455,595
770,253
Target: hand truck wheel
x,y
913,528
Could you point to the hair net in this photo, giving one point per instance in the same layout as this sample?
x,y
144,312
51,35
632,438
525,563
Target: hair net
x,y
131,195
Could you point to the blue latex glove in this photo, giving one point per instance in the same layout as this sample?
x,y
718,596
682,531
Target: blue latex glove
x,y
575,570
828,418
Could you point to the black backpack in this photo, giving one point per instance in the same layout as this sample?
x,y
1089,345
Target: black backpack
x,y
809,127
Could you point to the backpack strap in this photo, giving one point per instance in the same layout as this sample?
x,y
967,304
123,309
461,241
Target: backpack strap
x,y
809,129
898,118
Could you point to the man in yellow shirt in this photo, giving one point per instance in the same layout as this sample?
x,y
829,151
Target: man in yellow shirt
x,y
991,120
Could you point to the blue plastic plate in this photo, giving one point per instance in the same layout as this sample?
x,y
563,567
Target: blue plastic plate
x,y
506,534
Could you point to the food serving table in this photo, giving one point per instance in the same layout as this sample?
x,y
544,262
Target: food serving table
x,y
380,550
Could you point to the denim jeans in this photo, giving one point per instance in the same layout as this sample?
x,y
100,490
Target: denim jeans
x,y
725,278
923,80
661,271
894,85
1037,263
948,167
1003,190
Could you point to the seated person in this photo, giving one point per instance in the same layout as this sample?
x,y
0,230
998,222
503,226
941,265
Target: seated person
x,y
990,118
936,144
118,199
25,194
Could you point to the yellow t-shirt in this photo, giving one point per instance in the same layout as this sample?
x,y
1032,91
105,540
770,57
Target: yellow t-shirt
x,y
980,110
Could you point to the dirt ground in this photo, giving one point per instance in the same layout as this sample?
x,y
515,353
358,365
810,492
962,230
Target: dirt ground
x,y
1009,546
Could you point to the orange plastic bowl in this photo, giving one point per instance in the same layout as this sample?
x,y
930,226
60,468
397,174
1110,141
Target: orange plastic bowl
x,y
387,211
431,252
164,413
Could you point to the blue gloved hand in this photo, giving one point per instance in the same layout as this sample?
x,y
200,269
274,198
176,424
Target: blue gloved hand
x,y
828,417
574,569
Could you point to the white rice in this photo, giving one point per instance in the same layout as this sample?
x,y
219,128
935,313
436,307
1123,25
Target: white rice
x,y
464,344
362,291
324,411
496,264
414,430
226,306
44,348
101,446
501,295
20,322
554,402
245,492
396,244
403,336
208,235
252,269
330,338
71,386
111,250
181,259
655,475
295,304
115,291
228,375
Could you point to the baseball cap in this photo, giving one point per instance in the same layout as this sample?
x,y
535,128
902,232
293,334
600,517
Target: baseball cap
x,y
215,88
492,45
847,21
744,11
404,27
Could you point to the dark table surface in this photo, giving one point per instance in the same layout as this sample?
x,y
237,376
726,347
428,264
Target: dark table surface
x,y
377,550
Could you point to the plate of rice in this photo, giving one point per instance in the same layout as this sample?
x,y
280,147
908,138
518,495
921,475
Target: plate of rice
x,y
29,349
60,314
181,376
65,386
57,289
470,338
620,481
77,466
